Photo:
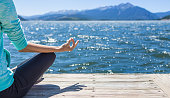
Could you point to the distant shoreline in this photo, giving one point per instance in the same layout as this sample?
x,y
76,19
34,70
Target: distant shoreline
x,y
165,19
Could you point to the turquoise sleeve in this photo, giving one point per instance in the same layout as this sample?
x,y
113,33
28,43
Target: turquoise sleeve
x,y
10,24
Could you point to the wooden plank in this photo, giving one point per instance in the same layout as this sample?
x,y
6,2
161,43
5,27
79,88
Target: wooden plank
x,y
163,81
101,86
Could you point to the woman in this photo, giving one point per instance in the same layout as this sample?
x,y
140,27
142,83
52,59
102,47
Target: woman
x,y
16,85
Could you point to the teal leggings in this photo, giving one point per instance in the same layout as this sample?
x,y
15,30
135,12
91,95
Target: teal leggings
x,y
27,74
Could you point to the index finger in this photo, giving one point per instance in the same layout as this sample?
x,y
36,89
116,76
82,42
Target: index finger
x,y
73,43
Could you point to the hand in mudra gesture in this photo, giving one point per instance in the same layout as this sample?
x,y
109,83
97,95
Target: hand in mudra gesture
x,y
66,46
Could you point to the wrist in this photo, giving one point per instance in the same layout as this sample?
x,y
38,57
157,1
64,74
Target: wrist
x,y
60,49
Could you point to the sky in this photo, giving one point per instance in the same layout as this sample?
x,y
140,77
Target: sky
x,y
36,7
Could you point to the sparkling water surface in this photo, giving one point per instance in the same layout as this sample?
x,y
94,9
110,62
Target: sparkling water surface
x,y
104,47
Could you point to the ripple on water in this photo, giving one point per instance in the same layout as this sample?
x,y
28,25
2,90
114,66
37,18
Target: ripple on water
x,y
164,38
163,54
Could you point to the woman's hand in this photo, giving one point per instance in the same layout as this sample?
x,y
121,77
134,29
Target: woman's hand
x,y
31,47
67,47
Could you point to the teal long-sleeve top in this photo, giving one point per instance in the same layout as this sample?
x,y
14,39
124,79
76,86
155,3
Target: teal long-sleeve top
x,y
10,25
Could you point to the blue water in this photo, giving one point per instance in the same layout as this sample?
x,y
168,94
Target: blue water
x,y
104,47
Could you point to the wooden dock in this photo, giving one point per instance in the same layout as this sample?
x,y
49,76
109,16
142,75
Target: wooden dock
x,y
102,86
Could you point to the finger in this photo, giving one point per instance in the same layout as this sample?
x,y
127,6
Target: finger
x,y
73,42
69,41
72,47
76,43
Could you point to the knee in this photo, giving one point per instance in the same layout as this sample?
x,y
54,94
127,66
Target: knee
x,y
51,55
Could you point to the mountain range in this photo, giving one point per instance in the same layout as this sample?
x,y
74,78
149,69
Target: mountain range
x,y
123,11
162,14
166,17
